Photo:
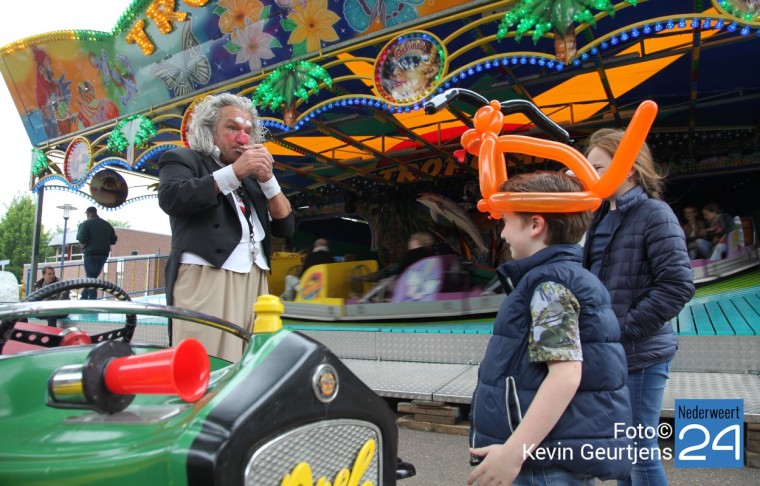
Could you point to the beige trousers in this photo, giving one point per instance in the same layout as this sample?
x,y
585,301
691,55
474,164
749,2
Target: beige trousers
x,y
221,293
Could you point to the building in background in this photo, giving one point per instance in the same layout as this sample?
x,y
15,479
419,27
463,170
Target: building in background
x,y
136,263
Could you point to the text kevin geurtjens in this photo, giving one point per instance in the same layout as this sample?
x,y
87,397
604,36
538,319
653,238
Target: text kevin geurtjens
x,y
588,452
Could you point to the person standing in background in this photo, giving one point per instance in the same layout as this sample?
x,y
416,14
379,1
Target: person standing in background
x,y
637,248
95,235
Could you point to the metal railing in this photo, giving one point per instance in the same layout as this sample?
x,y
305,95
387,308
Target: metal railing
x,y
138,275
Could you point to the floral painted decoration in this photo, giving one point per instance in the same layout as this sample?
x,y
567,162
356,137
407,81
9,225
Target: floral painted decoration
x,y
310,25
244,21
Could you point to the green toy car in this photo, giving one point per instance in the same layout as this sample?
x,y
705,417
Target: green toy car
x,y
289,413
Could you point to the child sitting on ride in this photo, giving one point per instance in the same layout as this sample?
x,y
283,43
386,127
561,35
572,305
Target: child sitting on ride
x,y
552,384
419,246
693,229
712,243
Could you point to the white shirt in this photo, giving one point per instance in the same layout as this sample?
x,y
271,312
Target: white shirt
x,y
240,259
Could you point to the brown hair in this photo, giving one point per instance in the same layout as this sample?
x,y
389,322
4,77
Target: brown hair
x,y
423,238
712,207
646,174
561,227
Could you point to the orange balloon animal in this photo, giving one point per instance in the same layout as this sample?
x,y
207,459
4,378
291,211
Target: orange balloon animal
x,y
484,141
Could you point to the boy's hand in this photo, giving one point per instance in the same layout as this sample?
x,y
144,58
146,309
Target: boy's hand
x,y
500,466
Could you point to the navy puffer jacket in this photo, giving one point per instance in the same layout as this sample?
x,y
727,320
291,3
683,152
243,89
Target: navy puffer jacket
x,y
646,268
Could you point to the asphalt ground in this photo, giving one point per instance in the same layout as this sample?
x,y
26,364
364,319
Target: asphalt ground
x,y
443,460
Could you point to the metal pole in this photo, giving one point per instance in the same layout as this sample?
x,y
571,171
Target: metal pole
x,y
36,241
63,245
67,208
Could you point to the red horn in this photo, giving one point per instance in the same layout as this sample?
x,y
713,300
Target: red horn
x,y
183,371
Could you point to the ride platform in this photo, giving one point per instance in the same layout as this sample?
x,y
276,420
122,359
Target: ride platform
x,y
718,356
436,358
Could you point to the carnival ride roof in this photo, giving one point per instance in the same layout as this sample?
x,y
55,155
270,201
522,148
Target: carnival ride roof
x,y
348,142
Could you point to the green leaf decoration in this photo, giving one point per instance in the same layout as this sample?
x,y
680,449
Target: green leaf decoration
x,y
265,13
219,10
299,49
121,136
231,47
288,25
312,84
290,82
302,93
39,162
748,16
559,16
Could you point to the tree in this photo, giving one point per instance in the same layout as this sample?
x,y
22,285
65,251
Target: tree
x,y
16,234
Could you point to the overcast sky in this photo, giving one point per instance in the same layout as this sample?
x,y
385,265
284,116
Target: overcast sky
x,y
25,19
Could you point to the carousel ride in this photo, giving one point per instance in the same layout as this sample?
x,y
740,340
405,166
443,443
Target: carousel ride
x,y
343,91
440,281
344,105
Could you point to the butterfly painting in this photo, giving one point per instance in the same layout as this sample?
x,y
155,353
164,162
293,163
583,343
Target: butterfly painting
x,y
183,72
361,14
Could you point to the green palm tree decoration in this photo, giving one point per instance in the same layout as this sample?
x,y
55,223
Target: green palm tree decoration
x,y
39,162
734,8
289,83
559,16
133,131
